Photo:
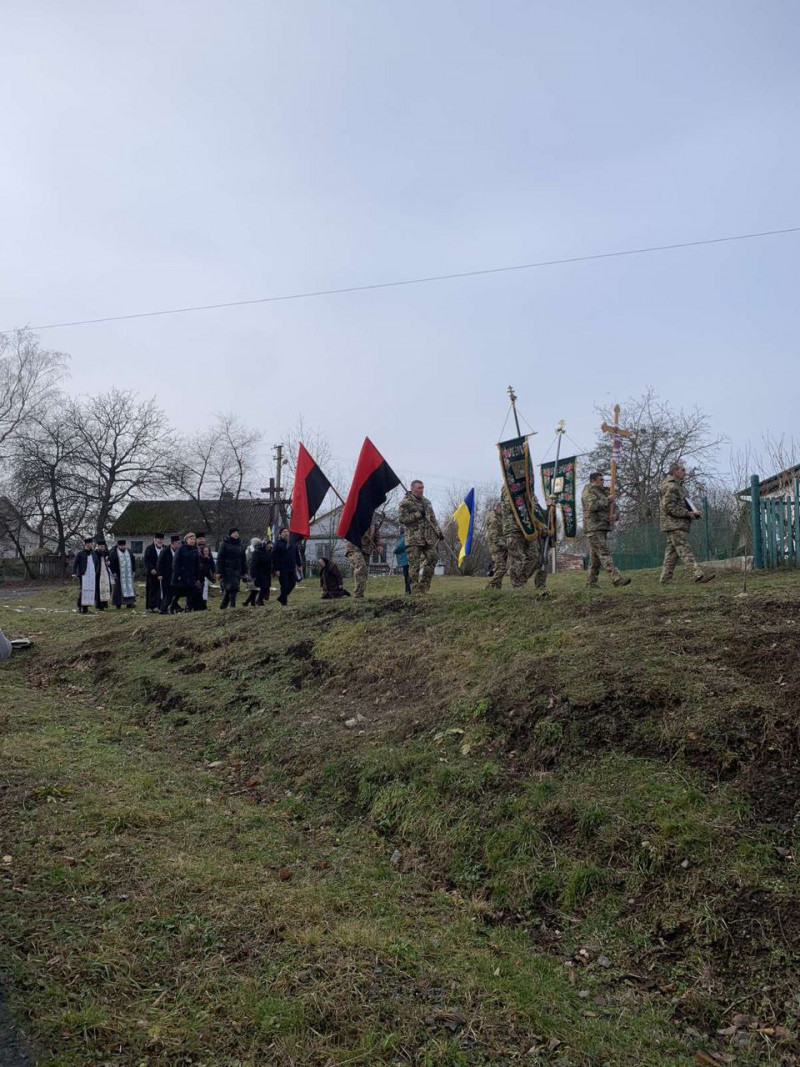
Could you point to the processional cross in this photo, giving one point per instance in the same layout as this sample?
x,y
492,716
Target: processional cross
x,y
616,449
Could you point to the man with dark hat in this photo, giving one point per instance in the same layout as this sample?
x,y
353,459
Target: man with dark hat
x,y
123,566
152,584
83,568
231,565
166,559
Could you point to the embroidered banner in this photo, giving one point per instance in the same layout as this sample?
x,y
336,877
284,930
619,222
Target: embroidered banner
x,y
563,491
515,463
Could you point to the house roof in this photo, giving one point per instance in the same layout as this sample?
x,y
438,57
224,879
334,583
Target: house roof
x,y
11,518
213,517
782,480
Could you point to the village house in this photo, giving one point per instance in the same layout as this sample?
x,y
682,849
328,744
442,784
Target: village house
x,y
141,519
324,541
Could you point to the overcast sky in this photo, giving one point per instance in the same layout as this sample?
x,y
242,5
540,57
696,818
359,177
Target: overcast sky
x,y
158,154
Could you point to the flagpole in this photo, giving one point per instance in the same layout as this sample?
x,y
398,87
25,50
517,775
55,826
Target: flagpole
x,y
513,397
560,431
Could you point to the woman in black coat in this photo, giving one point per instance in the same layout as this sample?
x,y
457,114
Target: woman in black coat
x,y
186,580
260,572
330,580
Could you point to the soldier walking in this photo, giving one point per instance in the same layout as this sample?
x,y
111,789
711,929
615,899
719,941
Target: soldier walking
x,y
359,558
596,502
497,547
422,534
676,519
524,556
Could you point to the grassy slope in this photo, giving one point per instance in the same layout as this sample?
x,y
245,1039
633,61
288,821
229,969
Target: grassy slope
x,y
558,832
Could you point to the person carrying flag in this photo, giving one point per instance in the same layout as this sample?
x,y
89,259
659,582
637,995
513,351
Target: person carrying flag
x,y
359,557
422,534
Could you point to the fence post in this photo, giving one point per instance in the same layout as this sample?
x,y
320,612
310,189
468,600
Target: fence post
x,y
706,546
755,522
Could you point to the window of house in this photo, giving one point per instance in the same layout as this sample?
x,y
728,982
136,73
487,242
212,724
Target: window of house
x,y
137,547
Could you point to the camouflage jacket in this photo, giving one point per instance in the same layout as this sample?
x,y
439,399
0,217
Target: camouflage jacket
x,y
672,506
419,520
370,542
509,522
594,502
494,532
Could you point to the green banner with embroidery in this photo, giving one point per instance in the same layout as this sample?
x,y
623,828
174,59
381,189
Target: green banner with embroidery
x,y
563,490
515,463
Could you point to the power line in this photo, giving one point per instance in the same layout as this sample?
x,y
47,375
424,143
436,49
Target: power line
x,y
421,280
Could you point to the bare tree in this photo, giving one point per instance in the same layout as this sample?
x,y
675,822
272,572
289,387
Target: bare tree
x,y
47,473
28,376
659,436
125,449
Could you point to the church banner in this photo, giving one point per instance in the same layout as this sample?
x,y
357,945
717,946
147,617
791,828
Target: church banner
x,y
563,492
515,463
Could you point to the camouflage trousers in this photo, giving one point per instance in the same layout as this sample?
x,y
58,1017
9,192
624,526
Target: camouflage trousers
x,y
358,561
524,560
678,548
422,560
499,565
600,557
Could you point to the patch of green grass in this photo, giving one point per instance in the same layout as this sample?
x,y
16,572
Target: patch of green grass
x,y
524,780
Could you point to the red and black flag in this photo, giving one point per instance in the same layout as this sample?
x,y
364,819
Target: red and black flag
x,y
373,481
308,492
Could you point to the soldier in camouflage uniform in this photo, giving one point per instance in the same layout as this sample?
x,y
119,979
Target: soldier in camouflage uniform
x,y
676,518
359,558
596,504
524,557
422,537
497,547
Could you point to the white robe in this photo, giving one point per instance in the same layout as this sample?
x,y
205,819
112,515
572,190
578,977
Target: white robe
x,y
87,583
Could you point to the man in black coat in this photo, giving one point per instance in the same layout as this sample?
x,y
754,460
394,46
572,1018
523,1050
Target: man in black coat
x,y
285,562
186,580
122,564
231,565
164,567
152,584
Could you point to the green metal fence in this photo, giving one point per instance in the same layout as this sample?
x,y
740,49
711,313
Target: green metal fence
x,y
716,535
776,525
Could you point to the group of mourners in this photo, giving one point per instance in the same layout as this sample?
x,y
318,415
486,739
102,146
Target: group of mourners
x,y
178,574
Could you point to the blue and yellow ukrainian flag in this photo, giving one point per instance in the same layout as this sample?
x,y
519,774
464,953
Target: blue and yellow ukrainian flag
x,y
464,516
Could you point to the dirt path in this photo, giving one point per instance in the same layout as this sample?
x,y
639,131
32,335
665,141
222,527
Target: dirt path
x,y
14,592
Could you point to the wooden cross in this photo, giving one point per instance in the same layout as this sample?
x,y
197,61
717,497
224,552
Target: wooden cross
x,y
616,446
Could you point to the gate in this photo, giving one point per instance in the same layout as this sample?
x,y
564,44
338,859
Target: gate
x,y
776,525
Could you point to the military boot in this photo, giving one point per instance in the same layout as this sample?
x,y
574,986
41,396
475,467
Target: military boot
x,y
622,580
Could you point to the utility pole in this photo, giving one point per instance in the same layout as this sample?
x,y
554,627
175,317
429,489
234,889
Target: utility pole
x,y
278,501
273,492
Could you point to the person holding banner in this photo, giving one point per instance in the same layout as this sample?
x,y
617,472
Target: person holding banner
x,y
595,502
524,554
497,547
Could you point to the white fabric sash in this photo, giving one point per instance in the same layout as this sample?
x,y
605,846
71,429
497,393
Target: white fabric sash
x,y
126,575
